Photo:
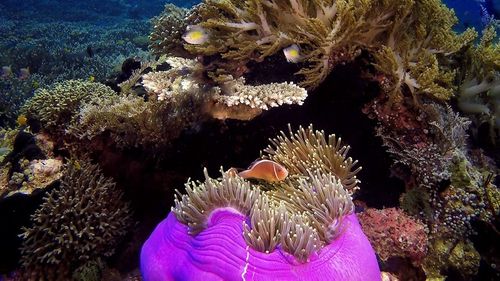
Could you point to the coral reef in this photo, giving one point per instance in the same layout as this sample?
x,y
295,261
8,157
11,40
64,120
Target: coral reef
x,y
307,217
68,46
56,106
152,118
65,54
133,122
81,220
224,97
333,32
395,234
14,92
446,186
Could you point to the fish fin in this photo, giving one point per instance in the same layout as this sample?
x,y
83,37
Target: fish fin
x,y
275,172
254,162
244,174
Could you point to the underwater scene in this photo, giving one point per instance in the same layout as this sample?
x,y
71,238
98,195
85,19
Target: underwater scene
x,y
266,140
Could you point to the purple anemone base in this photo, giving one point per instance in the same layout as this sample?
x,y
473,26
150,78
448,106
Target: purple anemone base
x,y
220,253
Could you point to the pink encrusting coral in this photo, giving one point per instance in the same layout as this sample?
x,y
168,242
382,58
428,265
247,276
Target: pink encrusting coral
x,y
220,253
395,234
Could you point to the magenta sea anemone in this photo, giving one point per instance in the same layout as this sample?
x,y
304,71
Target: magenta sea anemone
x,y
301,228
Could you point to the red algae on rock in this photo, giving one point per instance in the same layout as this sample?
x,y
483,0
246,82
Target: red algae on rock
x,y
395,234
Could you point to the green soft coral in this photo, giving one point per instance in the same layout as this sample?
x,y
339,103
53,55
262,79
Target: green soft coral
x,y
479,90
416,47
485,57
328,32
413,35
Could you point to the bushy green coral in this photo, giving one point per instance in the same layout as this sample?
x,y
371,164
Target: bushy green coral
x,y
55,106
484,59
133,122
81,220
328,32
168,28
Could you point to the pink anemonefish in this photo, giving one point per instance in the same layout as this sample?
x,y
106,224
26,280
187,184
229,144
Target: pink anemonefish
x,y
265,170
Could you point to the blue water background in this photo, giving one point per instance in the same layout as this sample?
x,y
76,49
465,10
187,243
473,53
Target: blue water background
x,y
474,13
469,11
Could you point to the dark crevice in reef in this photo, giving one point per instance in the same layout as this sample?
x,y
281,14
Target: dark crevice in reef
x,y
486,243
15,212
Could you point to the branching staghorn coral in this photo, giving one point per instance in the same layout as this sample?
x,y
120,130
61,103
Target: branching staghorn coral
x,y
308,150
234,93
224,98
56,106
182,79
81,220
